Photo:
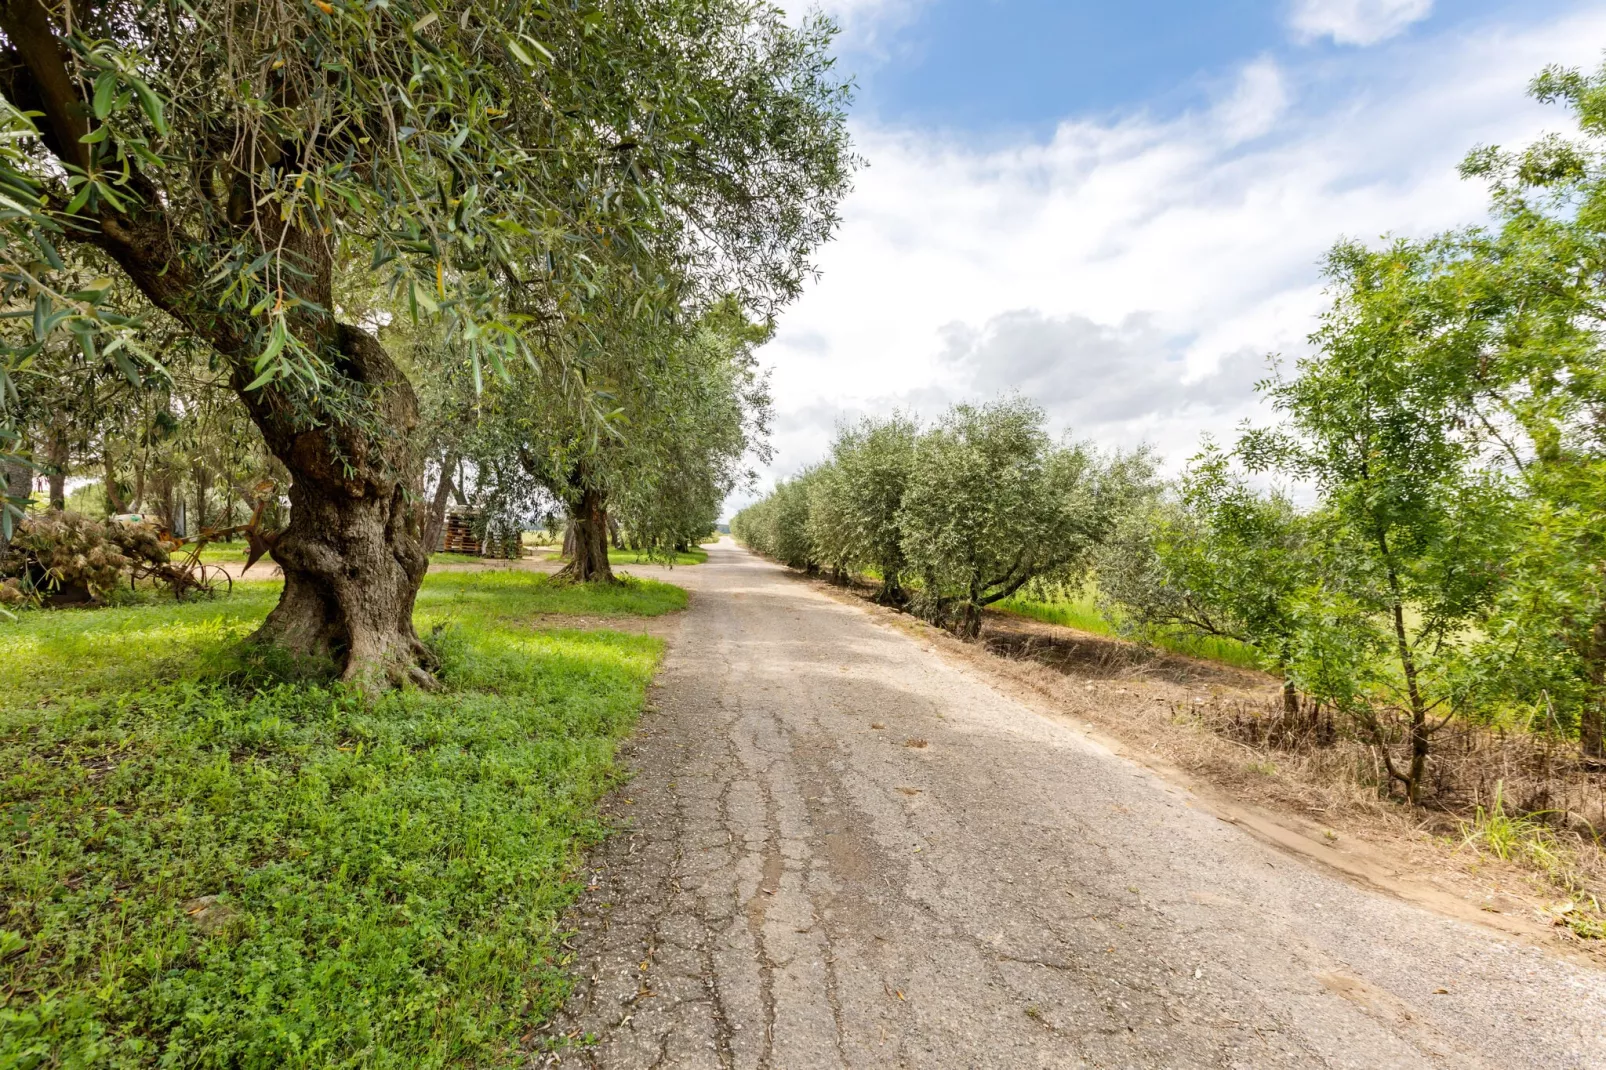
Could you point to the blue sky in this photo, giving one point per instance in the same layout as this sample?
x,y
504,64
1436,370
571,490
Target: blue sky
x,y
1119,208
989,68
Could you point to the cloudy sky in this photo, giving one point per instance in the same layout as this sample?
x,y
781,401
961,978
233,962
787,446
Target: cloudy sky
x,y
1119,209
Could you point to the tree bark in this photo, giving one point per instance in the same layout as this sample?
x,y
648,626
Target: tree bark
x,y
436,522
114,500
353,554
589,527
203,488
56,466
1290,698
18,478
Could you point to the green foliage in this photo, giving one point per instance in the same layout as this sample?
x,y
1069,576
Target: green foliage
x,y
1407,520
1219,560
874,462
1537,284
209,868
993,504
688,406
975,508
778,525
460,149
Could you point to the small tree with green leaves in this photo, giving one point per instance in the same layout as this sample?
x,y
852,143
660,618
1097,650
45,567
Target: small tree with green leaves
x,y
1539,280
1410,533
993,504
1220,558
875,461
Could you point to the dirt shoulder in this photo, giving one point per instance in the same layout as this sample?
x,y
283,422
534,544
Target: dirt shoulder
x,y
1167,713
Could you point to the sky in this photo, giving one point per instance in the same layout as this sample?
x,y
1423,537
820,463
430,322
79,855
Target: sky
x,y
1119,210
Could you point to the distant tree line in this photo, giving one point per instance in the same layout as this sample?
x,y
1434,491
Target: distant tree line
x,y
953,517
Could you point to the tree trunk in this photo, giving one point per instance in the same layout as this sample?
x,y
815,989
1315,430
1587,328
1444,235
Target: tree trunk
x,y
353,554
114,500
203,488
56,466
891,592
1591,723
1419,713
18,478
1290,699
589,526
436,522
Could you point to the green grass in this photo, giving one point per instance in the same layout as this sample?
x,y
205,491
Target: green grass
x,y
1082,612
639,557
448,558
693,556
390,874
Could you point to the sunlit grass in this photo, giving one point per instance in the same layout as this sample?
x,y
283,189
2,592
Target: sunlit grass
x,y
695,556
1081,611
388,875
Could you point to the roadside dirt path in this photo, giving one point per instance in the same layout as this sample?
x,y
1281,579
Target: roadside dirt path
x,y
847,852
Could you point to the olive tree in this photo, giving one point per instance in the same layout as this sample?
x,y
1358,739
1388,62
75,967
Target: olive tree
x,y
496,163
874,461
993,504
686,405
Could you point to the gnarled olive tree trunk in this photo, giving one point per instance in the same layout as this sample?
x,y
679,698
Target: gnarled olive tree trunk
x,y
588,525
353,554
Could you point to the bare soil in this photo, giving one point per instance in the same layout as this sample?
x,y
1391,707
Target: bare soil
x,y
1312,789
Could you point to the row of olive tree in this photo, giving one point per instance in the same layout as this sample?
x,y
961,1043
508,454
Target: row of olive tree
x,y
689,406
954,517
531,177
1448,424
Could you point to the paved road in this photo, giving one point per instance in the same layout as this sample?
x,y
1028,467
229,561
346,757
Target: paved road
x,y
849,853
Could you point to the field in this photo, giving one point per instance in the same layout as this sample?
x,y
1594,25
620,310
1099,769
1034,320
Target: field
x,y
210,864
1082,612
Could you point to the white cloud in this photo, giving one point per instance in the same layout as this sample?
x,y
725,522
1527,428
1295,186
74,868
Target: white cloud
x,y
864,24
1355,22
1132,274
1255,106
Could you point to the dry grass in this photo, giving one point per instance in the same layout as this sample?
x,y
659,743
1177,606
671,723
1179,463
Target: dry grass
x,y
1508,809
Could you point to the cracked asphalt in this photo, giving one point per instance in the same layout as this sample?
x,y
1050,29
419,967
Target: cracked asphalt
x,y
843,851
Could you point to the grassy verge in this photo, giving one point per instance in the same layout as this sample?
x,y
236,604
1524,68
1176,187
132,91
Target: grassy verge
x,y
1082,612
636,557
206,867
694,556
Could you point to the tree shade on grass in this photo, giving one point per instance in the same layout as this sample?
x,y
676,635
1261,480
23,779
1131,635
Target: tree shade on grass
x,y
208,867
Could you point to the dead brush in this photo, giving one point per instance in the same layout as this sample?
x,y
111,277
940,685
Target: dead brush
x,y
1520,797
